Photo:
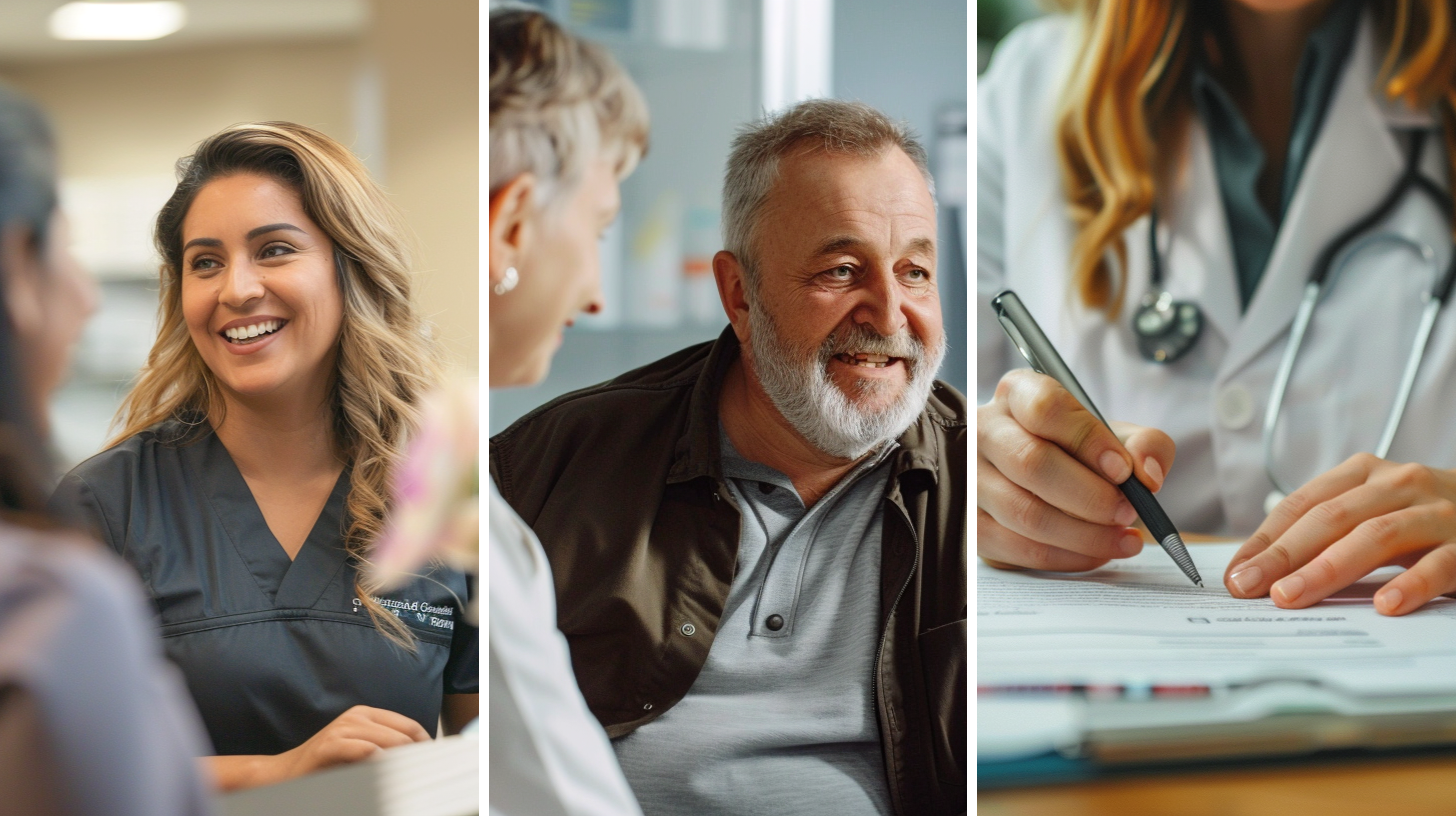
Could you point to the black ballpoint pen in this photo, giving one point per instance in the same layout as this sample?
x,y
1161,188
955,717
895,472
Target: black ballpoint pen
x,y
1038,351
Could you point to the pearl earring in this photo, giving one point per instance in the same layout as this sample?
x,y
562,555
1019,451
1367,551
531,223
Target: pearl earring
x,y
508,282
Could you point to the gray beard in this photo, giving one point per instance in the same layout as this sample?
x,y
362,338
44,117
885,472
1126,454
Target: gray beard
x,y
799,385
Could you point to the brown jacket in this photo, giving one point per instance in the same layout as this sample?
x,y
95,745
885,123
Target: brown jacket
x,y
623,484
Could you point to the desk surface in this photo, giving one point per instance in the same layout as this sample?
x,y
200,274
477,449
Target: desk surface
x,y
1396,786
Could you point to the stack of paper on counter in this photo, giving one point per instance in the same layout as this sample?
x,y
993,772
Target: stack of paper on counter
x,y
436,778
1133,664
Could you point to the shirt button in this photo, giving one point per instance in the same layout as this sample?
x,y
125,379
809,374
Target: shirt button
x,y
689,629
774,622
1234,406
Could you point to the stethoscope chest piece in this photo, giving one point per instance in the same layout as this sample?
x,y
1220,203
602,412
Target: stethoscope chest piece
x,y
1166,328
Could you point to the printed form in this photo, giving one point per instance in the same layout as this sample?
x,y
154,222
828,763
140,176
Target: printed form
x,y
1139,624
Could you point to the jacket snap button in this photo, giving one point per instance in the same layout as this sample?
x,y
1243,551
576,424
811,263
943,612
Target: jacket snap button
x,y
689,629
774,622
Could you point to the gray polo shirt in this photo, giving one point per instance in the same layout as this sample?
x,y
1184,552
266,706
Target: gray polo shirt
x,y
781,719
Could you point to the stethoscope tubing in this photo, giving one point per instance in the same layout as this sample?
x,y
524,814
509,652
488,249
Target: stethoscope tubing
x,y
1434,300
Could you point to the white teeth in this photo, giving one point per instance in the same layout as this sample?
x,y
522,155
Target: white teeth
x,y
248,332
866,360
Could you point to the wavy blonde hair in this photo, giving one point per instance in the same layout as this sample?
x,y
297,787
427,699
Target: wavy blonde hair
x,y
385,361
1123,122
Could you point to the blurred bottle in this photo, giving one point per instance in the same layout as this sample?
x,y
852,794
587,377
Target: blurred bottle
x,y
656,265
700,25
700,242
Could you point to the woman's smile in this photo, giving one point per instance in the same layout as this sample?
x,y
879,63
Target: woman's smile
x,y
251,335
260,293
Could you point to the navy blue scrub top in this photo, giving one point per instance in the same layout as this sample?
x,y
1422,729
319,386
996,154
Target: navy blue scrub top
x,y
273,649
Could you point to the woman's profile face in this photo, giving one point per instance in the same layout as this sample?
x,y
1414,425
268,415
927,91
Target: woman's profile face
x,y
259,292
560,276
51,296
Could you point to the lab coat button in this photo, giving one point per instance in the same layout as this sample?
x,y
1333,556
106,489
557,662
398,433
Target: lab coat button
x,y
1235,407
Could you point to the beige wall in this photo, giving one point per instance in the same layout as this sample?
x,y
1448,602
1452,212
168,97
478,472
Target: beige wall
x,y
136,115
430,68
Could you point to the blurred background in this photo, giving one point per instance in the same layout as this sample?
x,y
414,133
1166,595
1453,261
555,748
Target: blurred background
x,y
707,67
396,80
996,18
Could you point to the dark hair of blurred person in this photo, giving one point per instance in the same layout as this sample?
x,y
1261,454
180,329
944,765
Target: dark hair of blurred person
x,y
27,203
90,721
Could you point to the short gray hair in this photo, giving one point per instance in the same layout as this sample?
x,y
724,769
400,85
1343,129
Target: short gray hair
x,y
557,103
830,125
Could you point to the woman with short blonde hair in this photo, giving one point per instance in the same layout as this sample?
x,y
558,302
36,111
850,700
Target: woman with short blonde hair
x,y
566,124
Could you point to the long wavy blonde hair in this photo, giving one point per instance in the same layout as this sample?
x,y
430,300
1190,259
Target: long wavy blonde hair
x,y
1123,122
385,360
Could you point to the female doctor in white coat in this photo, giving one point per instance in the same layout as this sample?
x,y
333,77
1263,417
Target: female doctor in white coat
x,y
1214,152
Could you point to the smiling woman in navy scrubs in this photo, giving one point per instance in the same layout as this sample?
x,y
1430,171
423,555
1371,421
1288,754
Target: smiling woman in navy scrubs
x,y
250,478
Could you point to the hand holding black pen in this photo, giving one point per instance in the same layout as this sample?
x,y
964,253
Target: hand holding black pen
x,y
1055,489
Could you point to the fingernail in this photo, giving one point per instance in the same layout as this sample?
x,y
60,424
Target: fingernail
x,y
1115,467
1155,472
1126,515
1389,600
1290,588
1247,579
1131,544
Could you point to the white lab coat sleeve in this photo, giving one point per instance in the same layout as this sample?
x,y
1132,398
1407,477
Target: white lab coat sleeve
x,y
1008,112
991,343
548,754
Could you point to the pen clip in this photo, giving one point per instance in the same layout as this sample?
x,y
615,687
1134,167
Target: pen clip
x,y
1021,344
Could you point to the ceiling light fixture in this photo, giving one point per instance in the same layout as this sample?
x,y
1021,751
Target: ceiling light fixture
x,y
117,21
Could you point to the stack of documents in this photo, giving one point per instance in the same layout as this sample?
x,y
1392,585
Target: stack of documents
x,y
436,778
1133,664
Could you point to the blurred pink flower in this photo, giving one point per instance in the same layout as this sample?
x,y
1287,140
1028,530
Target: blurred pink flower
x,y
435,491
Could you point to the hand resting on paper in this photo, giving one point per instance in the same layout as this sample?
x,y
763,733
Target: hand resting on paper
x,y
1363,514
1046,478
354,735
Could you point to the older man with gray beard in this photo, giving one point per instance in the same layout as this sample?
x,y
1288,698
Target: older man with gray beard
x,y
759,543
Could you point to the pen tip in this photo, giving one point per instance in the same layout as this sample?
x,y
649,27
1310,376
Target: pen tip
x,y
1200,584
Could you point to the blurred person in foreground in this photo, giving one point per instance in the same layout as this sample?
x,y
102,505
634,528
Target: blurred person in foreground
x,y
92,719
566,125
759,542
248,484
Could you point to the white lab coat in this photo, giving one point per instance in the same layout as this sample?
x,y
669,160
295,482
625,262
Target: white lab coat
x,y
548,755
1213,401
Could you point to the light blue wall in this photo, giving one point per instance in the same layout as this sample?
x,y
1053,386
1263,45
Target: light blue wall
x,y
908,59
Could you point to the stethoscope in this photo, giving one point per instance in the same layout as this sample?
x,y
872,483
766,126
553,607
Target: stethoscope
x,y
1167,329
